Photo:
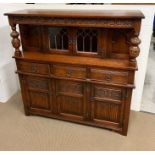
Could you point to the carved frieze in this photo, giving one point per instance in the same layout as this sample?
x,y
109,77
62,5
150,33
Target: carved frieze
x,y
112,23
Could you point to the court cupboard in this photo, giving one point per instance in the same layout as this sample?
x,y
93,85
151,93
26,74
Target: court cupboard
x,y
77,66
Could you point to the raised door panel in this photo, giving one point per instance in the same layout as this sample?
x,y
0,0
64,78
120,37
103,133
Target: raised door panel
x,y
69,105
70,99
107,105
106,111
39,100
38,83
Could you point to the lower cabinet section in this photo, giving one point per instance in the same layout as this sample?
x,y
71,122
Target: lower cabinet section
x,y
87,103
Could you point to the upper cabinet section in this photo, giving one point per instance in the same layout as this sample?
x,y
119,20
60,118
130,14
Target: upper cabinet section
x,y
95,33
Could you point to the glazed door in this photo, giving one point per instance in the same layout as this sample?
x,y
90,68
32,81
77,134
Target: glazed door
x,y
90,42
70,99
107,104
37,94
57,40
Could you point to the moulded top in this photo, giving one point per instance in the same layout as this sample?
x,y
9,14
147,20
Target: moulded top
x,y
124,14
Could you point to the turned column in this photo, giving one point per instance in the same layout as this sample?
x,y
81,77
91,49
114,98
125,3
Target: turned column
x,y
15,40
134,50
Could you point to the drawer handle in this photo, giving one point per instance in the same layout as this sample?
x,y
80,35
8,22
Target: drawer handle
x,y
34,68
108,78
69,73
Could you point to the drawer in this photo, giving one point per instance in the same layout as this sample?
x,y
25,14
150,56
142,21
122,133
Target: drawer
x,y
109,76
31,67
69,71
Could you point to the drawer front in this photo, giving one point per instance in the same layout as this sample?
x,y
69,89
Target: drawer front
x,y
118,77
31,67
69,72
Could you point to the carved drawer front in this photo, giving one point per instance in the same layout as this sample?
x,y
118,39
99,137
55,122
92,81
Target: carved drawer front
x,y
117,77
70,99
31,67
37,83
69,71
107,104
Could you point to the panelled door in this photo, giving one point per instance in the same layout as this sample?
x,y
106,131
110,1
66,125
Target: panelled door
x,y
107,104
37,93
90,42
70,99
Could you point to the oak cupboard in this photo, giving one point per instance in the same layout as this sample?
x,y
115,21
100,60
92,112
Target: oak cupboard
x,y
77,66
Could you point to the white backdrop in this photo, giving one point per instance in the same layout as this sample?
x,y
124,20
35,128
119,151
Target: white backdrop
x,y
8,80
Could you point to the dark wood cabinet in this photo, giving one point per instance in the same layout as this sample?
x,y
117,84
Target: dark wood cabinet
x,y
77,65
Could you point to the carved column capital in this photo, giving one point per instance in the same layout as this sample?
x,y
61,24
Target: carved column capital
x,y
134,50
15,40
